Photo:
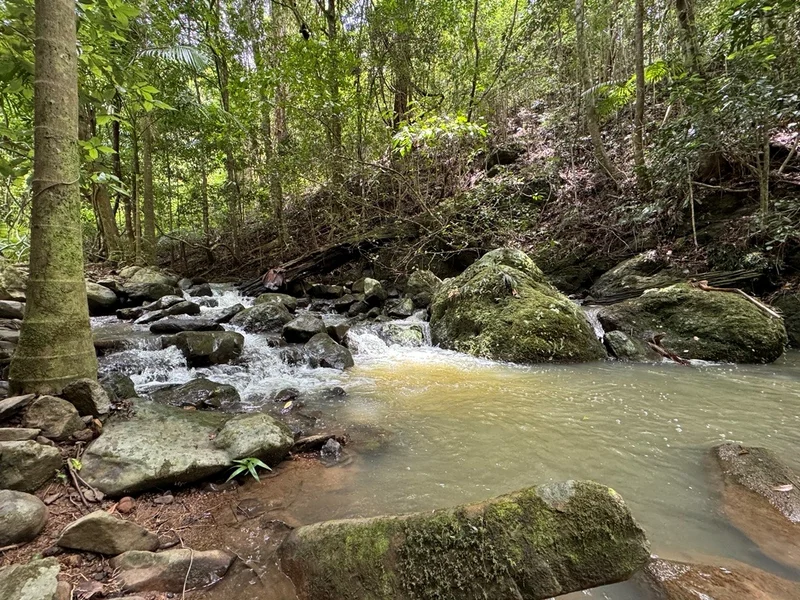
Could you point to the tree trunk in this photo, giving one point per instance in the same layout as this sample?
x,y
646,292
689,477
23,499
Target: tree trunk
x,y
335,118
137,226
476,66
126,200
148,201
688,32
55,344
638,123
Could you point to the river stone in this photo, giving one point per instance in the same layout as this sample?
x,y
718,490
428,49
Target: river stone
x,y
303,328
22,517
175,325
163,303
622,347
128,272
372,291
789,305
11,406
199,393
290,302
18,434
256,435
401,308
161,446
714,326
343,304
12,282
147,292
329,292
181,308
200,290
10,309
118,386
129,314
26,466
153,275
102,533
224,315
421,287
534,544
263,318
503,308
102,300
668,580
35,580
651,269
206,348
761,498
403,334
168,571
322,351
88,397
57,418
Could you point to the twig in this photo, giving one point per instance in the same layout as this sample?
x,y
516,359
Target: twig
x,y
11,547
77,486
189,570
703,285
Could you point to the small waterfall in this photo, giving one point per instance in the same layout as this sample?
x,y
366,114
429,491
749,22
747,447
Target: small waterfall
x,y
591,313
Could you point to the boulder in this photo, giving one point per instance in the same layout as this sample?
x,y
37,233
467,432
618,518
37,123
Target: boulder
x,y
372,290
403,334
199,393
181,308
163,303
147,292
22,517
206,348
338,332
343,304
129,314
303,328
165,446
421,287
760,496
128,272
401,308
170,571
224,315
359,307
102,533
26,466
18,434
651,269
88,397
263,318
329,292
622,347
185,283
289,302
714,326
57,418
202,289
9,309
11,406
322,351
102,301
534,544
255,435
118,386
789,305
36,580
174,325
503,308
153,275
12,282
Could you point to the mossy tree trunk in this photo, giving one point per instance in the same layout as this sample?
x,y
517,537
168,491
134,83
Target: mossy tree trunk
x,y
148,200
55,345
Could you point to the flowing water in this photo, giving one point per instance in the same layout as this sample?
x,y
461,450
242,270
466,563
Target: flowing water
x,y
463,429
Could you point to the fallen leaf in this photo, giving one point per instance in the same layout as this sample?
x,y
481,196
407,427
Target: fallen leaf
x,y
88,589
787,487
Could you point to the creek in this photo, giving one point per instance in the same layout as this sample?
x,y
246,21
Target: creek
x,y
459,429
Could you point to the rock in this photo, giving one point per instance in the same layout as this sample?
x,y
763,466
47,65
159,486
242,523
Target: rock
x,y
331,450
126,505
164,446
255,435
101,533
402,334
185,283
338,332
11,406
88,396
26,466
12,282
285,395
289,302
651,269
128,272
181,308
789,305
168,571
102,300
206,348
761,498
322,351
421,287
401,308
329,292
118,386
199,393
177,325
263,318
373,291
374,313
315,443
670,580
22,517
302,329
147,292
714,326
622,347
207,301
152,275
358,308
129,314
9,309
35,580
57,418
18,434
534,544
226,314
163,303
503,308
202,289
343,304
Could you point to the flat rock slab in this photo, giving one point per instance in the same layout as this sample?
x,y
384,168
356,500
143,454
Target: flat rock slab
x,y
175,325
761,497
88,397
11,406
18,434
35,580
167,571
104,534
199,393
57,418
22,517
26,466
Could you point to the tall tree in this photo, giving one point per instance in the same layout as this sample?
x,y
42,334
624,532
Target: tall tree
x,y
638,122
55,345
688,33
148,200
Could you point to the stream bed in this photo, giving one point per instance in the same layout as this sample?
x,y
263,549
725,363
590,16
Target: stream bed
x,y
461,429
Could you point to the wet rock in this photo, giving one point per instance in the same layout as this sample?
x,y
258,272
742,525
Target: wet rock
x,y
338,332
205,348
421,287
328,292
263,318
199,393
57,418
35,580
118,386
12,282
401,308
129,314
761,498
9,309
207,301
302,329
503,308
147,292
177,325
163,446
181,308
22,517
226,314
651,269
26,466
168,571
292,355
202,289
152,275
18,434
88,397
102,301
343,304
315,443
286,394
162,303
303,302
102,533
358,308
670,580
373,291
11,406
714,326
622,347
403,334
185,283
289,302
331,451
420,315
544,542
322,351
789,305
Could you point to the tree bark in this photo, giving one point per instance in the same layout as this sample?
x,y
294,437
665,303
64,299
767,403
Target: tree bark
x,y
55,345
137,225
688,31
638,123
148,200
335,118
126,200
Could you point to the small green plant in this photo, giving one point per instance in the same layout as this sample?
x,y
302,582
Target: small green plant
x,y
75,464
249,465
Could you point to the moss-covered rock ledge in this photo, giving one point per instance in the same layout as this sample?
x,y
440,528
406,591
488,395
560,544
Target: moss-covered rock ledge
x,y
534,544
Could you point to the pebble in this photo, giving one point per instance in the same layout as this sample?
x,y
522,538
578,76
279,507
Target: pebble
x,y
126,505
165,499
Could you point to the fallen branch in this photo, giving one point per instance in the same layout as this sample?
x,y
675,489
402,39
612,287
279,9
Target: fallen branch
x,y
655,344
703,285
76,485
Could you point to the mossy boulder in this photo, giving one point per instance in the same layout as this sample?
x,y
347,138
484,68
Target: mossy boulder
x,y
503,308
267,317
534,544
36,580
649,269
289,302
715,326
421,287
